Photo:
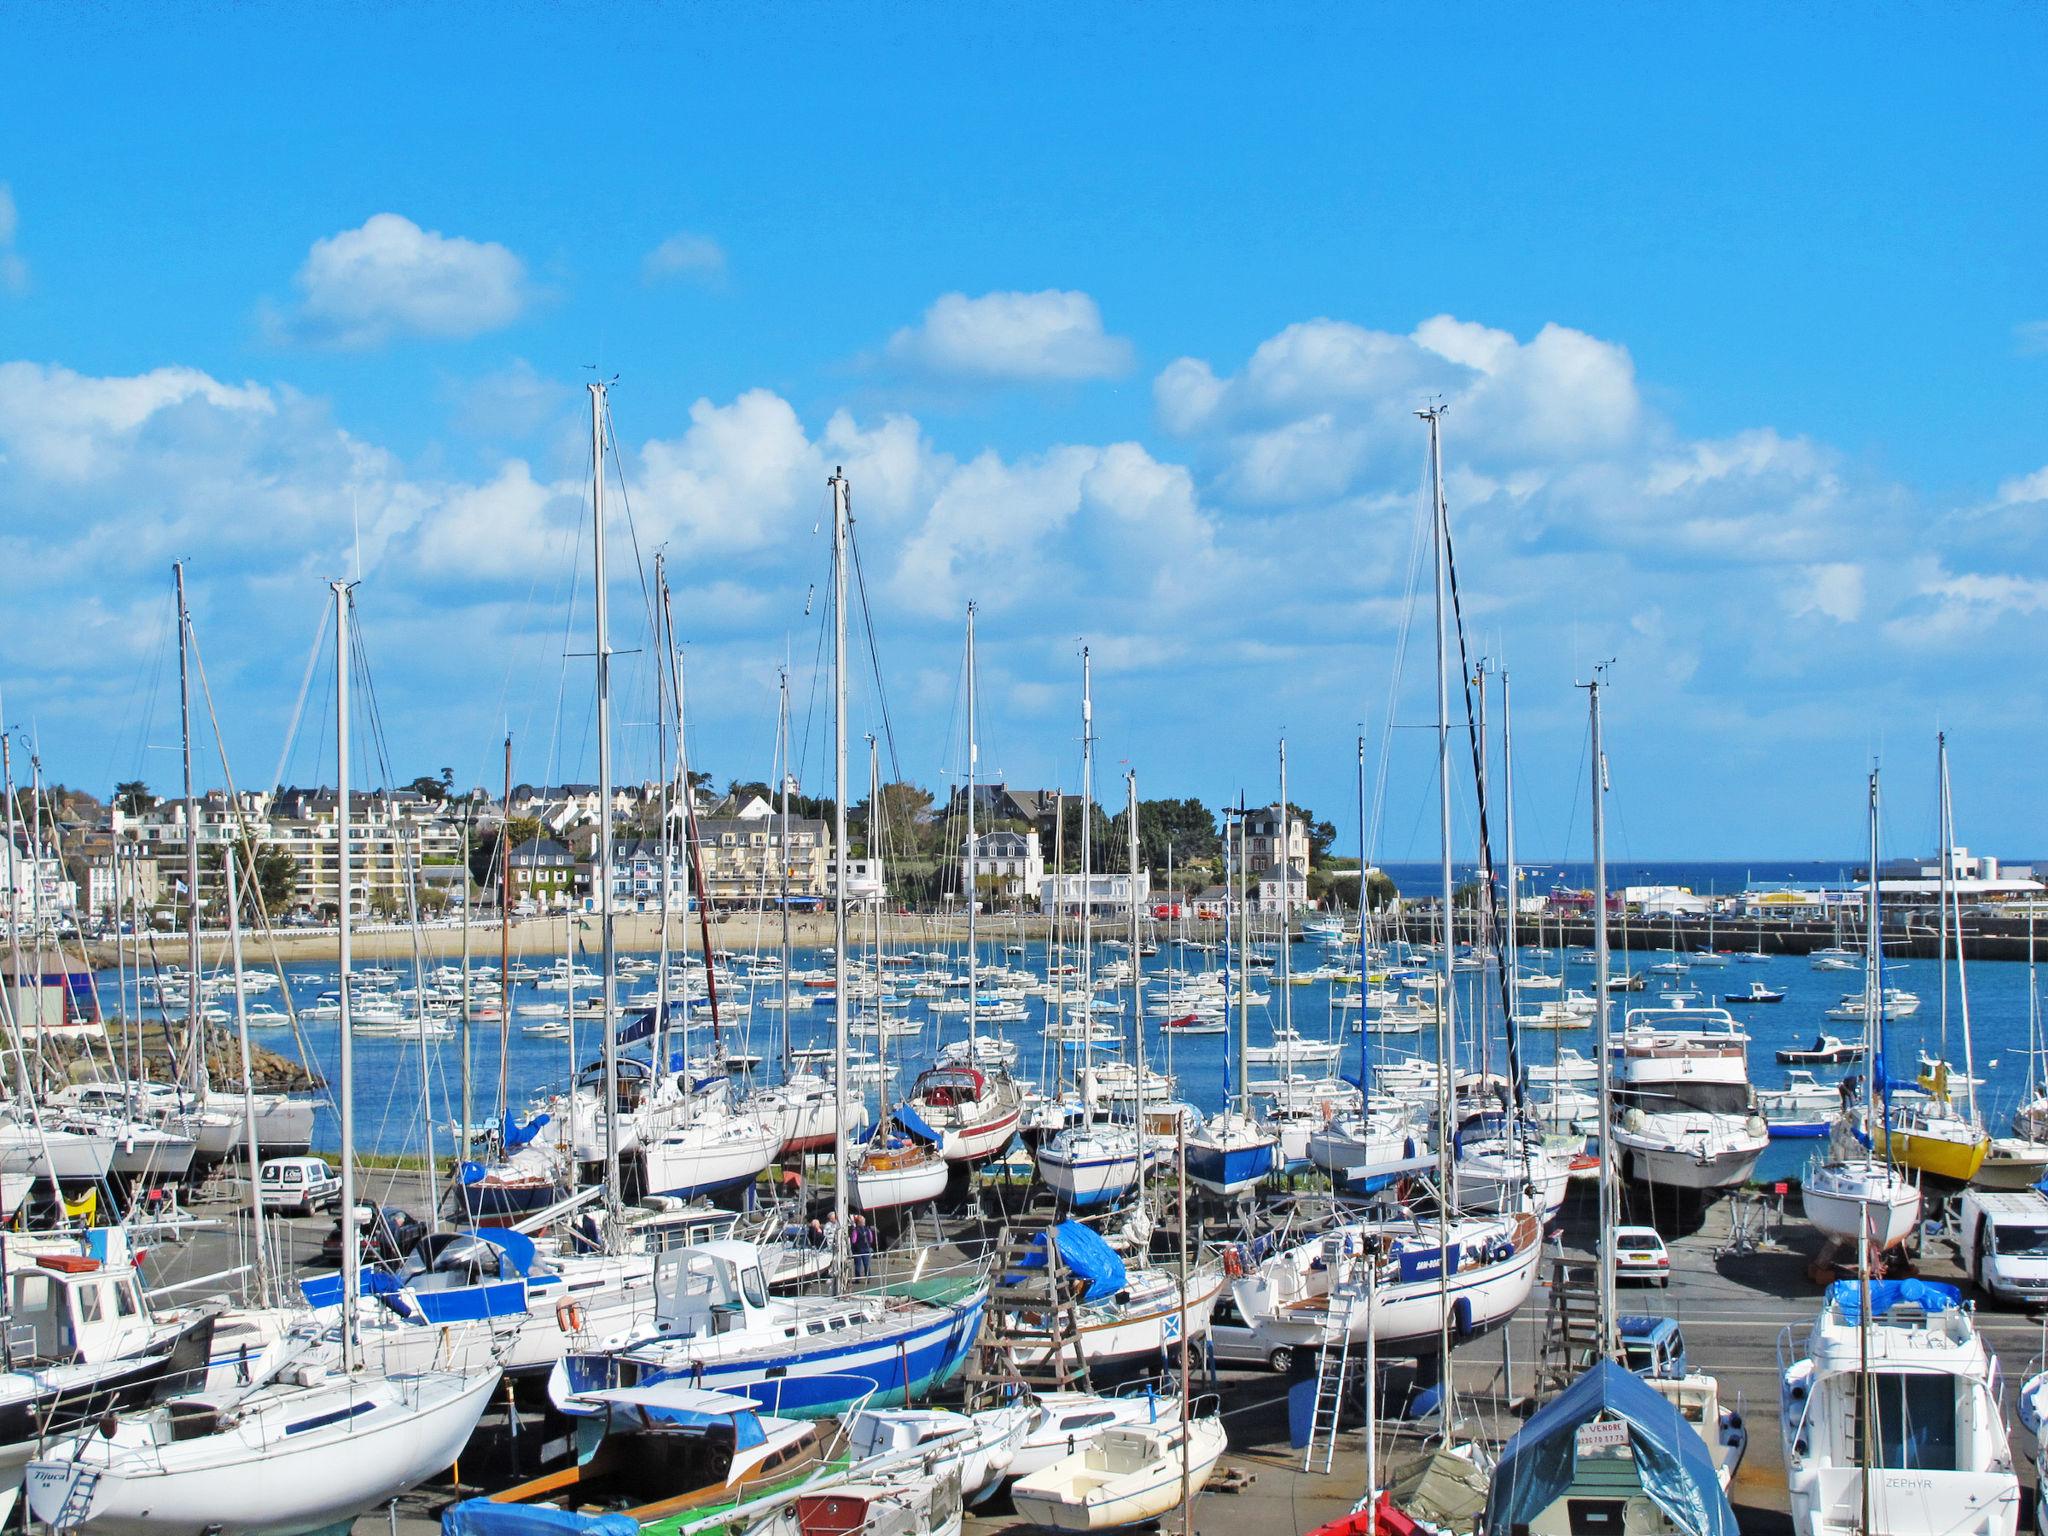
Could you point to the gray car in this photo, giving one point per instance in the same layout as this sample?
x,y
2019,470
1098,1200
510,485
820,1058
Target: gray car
x,y
1235,1342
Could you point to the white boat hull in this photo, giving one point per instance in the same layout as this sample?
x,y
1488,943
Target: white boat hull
x,y
260,1483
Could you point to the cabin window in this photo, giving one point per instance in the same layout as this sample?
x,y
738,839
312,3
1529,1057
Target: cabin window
x,y
1594,1517
1086,1421
88,1299
753,1286
1916,1422
126,1302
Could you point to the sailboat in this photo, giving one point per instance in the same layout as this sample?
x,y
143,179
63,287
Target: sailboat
x,y
1858,1193
974,1107
1411,1278
716,1324
311,1445
1932,1135
1092,1163
1231,1152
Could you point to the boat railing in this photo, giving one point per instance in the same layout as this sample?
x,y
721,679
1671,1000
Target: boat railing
x,y
1794,1344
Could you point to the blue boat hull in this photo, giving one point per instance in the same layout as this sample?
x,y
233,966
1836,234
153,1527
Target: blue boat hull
x,y
1800,1130
1228,1170
815,1381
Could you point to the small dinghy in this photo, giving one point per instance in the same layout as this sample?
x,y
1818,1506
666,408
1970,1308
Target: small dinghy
x,y
1124,1475
1757,993
1827,1051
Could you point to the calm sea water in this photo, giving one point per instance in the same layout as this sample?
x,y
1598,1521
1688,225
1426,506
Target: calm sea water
x,y
389,1091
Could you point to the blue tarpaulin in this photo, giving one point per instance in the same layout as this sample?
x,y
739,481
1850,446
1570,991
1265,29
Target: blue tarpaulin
x,y
516,1246
1670,1459
1084,1253
516,1135
916,1125
1927,1295
325,1290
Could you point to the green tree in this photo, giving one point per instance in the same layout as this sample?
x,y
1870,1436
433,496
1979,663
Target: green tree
x,y
132,796
427,787
483,850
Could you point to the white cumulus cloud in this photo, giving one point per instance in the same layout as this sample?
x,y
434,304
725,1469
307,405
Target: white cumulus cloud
x,y
389,278
1050,335
685,255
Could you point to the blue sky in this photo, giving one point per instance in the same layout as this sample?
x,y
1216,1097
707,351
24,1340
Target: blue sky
x,y
1117,319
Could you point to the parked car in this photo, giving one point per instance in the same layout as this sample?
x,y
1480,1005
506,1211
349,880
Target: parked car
x,y
389,1234
298,1184
1640,1254
1234,1342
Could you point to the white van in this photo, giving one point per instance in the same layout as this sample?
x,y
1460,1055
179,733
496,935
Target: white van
x,y
301,1184
2002,1243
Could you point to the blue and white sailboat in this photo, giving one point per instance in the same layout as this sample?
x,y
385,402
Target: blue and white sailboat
x,y
716,1326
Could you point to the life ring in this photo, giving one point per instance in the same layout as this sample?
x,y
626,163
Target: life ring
x,y
569,1317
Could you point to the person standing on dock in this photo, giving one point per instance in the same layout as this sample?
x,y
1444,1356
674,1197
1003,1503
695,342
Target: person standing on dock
x,y
862,1241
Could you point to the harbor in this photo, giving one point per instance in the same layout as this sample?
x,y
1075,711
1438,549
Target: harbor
x,y
1019,771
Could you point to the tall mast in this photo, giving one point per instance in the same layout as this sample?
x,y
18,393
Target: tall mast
x,y
462,1128
194,1008
344,865
1286,914
1955,902
661,642
251,1150
1513,937
1137,962
1873,988
505,937
1244,968
973,871
1942,887
1372,1365
1087,890
610,986
840,1109
1364,964
782,739
1447,1007
1610,1204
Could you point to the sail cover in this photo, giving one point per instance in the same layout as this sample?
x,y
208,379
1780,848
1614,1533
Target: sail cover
x,y
1927,1295
1083,1253
1540,1465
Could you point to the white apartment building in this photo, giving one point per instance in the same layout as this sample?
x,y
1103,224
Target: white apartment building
x,y
1002,866
1103,895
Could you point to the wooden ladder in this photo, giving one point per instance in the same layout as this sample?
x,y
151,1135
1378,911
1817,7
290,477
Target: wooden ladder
x,y
1571,1330
1031,1312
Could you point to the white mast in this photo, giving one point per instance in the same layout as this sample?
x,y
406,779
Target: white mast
x,y
1286,914
252,1151
1137,970
1610,1204
195,1014
1513,937
610,989
351,1261
841,1113
1955,904
1447,998
1087,892
973,872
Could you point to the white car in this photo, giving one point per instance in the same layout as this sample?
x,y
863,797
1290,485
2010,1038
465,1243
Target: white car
x,y
1640,1254
301,1184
